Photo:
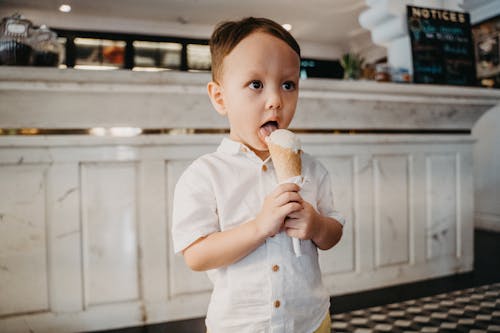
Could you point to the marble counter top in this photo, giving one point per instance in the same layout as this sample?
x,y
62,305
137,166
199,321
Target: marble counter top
x,y
66,98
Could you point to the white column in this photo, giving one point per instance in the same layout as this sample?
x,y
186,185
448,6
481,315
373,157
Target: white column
x,y
486,132
386,20
480,10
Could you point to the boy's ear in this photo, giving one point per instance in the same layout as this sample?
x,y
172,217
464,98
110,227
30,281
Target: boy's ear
x,y
216,97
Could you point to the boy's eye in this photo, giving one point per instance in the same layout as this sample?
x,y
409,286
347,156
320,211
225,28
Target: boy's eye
x,y
289,85
255,84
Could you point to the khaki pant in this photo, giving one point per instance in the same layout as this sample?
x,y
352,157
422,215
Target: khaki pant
x,y
325,326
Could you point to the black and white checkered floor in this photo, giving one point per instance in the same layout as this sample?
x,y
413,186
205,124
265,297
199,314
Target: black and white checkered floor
x,y
473,310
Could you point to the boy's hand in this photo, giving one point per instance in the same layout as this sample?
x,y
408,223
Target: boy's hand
x,y
304,223
282,202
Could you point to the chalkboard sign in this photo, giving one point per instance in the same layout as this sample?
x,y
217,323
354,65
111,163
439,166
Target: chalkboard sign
x,y
441,46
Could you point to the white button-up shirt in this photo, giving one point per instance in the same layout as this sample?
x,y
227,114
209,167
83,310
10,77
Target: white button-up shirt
x,y
269,290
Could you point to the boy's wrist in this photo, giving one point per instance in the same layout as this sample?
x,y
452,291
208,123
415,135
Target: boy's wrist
x,y
319,229
260,233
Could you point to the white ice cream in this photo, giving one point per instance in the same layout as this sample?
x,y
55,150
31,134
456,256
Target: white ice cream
x,y
286,139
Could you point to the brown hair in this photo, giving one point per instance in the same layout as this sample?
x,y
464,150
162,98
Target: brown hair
x,y
228,34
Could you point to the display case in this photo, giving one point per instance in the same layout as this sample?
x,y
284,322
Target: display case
x,y
156,55
92,53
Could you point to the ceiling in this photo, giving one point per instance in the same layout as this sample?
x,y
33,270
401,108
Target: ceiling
x,y
318,21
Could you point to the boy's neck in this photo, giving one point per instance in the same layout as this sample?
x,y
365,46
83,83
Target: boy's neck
x,y
263,155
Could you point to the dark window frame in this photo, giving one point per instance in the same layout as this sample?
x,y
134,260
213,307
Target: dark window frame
x,y
129,39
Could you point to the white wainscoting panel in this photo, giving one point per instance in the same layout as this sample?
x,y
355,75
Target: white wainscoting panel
x,y
23,234
391,205
442,205
182,280
341,259
64,237
110,239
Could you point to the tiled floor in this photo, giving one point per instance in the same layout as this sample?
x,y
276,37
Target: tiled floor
x,y
450,304
474,310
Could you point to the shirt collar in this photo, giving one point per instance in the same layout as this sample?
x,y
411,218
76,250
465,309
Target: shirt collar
x,y
232,147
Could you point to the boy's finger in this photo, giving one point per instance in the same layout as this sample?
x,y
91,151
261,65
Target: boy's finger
x,y
290,208
287,187
294,215
292,222
287,197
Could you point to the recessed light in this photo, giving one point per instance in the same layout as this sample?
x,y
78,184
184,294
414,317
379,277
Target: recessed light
x,y
287,26
65,8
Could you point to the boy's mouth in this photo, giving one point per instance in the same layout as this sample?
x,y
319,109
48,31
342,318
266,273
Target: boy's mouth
x,y
268,128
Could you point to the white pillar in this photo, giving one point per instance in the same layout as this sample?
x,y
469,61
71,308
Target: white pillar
x,y
386,20
480,10
486,132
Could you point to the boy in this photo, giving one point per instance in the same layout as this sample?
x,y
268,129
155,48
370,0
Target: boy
x,y
231,218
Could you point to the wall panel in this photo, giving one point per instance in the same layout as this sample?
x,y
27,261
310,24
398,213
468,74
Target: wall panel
x,y
441,205
182,280
23,246
391,194
109,218
342,257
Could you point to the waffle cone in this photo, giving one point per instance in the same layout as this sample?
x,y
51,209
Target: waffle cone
x,y
286,161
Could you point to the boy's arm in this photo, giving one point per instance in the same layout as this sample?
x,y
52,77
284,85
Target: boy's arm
x,y
226,247
329,233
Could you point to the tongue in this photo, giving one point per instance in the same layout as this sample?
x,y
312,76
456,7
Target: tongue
x,y
266,130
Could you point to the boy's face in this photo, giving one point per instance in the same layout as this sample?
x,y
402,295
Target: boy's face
x,y
258,89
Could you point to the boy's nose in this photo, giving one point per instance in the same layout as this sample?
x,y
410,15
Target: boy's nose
x,y
274,101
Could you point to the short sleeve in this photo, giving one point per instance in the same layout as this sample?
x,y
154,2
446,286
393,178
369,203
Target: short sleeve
x,y
194,208
325,199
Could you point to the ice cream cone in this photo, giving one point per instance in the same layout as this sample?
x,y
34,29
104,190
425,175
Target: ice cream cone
x,y
285,150
284,147
287,162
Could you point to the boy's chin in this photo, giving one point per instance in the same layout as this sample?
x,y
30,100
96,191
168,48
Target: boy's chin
x,y
261,146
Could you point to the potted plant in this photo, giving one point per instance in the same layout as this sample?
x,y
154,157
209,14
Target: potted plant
x,y
352,64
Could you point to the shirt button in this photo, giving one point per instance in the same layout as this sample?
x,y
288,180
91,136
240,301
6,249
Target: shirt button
x,y
244,149
276,268
277,304
264,167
